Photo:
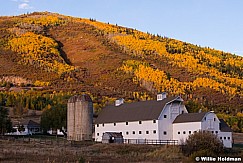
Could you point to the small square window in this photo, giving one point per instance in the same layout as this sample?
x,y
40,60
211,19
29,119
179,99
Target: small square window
x,y
154,131
97,125
216,132
184,132
165,116
98,134
140,132
103,124
114,124
140,122
190,132
127,133
147,132
165,133
228,138
224,138
214,119
179,132
154,121
194,131
133,132
126,123
212,132
182,112
220,138
205,119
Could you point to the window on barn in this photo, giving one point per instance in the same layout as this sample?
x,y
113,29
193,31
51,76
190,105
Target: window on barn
x,y
224,138
126,123
190,132
140,122
114,124
214,119
216,132
205,118
127,133
103,124
165,116
165,133
154,131
220,138
228,138
98,134
133,132
182,112
140,132
147,132
184,132
179,132
97,125
212,132
154,121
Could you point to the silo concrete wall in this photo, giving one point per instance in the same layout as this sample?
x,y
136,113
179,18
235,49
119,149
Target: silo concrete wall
x,y
70,121
80,118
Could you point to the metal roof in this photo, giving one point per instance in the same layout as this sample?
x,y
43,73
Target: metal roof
x,y
190,117
224,127
33,124
127,112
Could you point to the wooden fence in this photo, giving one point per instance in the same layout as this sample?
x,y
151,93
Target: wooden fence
x,y
63,142
37,140
148,141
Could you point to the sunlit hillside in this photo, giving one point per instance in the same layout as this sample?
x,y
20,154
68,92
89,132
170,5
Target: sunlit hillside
x,y
73,55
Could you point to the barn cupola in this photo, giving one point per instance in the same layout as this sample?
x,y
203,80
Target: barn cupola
x,y
161,96
119,102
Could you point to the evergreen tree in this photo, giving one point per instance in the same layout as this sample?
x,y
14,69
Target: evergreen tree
x,y
5,122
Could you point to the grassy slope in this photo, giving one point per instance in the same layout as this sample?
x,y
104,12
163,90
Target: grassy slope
x,y
85,49
100,59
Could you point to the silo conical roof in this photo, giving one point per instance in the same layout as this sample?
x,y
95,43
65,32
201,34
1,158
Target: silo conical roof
x,y
83,97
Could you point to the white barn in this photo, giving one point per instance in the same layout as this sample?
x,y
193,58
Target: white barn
x,y
186,124
160,119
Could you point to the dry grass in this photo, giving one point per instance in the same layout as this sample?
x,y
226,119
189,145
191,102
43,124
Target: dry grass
x,y
51,149
19,151
238,138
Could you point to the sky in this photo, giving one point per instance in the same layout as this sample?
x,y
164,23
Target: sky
x,y
216,24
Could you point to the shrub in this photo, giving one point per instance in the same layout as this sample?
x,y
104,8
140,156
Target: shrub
x,y
202,143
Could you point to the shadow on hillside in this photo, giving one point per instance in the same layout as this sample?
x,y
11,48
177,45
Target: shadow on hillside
x,y
63,54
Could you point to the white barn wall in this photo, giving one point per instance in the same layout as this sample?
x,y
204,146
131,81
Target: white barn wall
x,y
171,111
211,123
226,138
132,126
203,125
184,127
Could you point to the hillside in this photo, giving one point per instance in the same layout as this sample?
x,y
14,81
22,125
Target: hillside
x,y
62,53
